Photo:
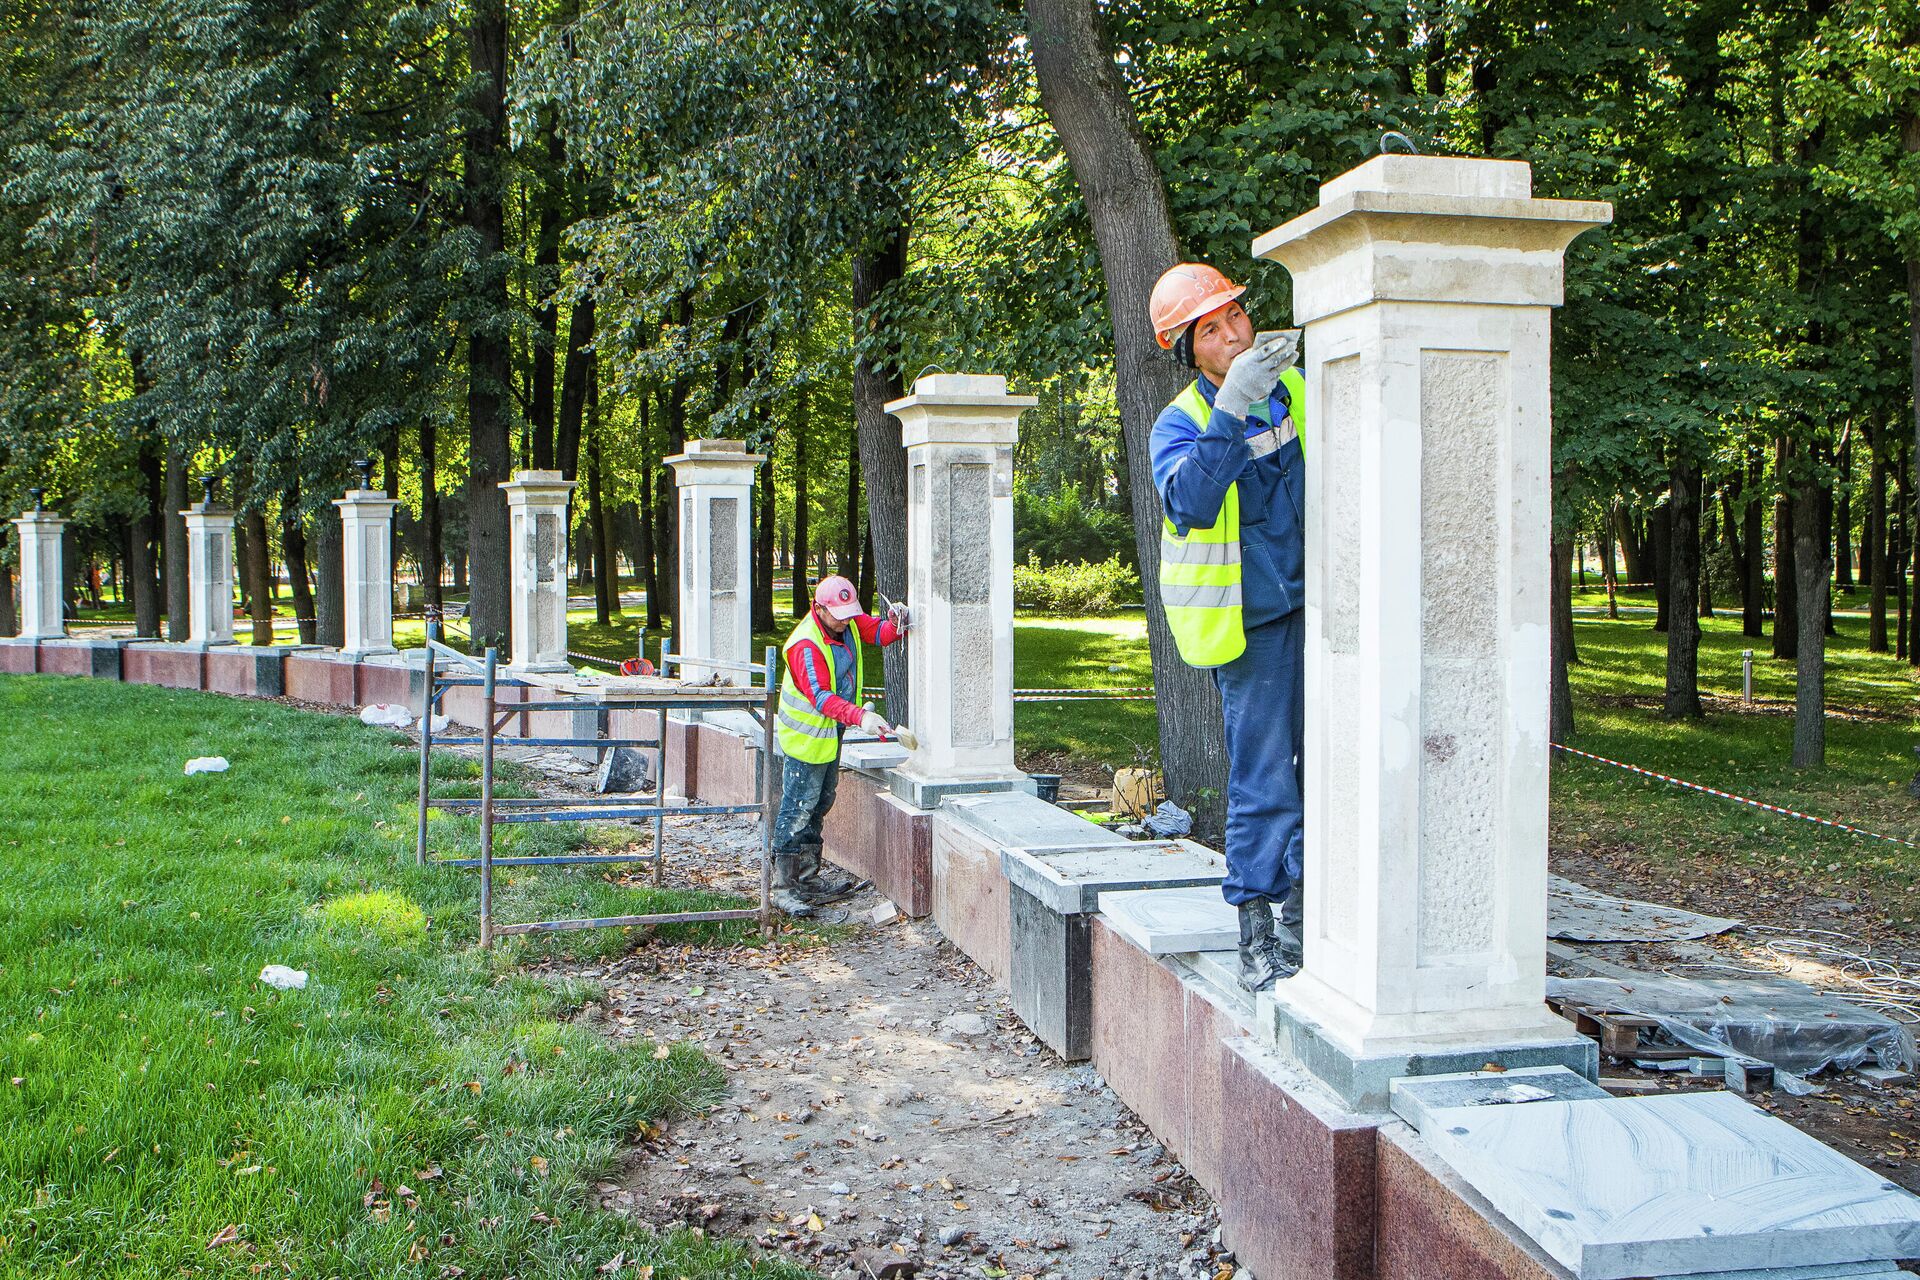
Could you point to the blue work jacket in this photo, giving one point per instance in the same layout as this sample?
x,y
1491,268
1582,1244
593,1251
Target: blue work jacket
x,y
1192,470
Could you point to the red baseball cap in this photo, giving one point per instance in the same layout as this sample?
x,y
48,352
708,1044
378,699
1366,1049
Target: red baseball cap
x,y
837,596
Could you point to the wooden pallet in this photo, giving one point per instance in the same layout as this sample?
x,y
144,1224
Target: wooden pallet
x,y
1619,1033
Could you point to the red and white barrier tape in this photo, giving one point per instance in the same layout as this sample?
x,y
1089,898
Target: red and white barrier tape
x,y
1738,799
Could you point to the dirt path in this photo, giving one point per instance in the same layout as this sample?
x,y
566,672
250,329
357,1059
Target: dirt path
x,y
886,1106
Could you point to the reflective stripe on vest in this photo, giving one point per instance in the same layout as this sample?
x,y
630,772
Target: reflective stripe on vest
x,y
802,732
1200,570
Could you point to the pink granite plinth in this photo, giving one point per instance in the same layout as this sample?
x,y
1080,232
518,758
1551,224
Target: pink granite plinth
x,y
67,659
851,832
709,763
1430,1225
384,682
970,895
320,676
169,666
19,658
247,672
1141,1045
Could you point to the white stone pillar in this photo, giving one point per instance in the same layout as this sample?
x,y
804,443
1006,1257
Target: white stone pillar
x,y
715,480
537,580
1425,285
209,571
366,554
41,564
959,430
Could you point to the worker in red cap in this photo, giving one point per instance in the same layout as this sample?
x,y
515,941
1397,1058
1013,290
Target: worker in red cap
x,y
820,700
1228,465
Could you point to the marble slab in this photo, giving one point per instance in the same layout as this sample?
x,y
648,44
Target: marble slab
x,y
1676,1185
1070,878
1416,1098
1579,914
1021,820
872,754
1165,922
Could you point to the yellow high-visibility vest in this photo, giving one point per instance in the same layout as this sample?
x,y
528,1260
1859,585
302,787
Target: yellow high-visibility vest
x,y
1200,570
803,733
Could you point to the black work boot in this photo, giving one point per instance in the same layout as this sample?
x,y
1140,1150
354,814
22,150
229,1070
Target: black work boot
x,y
788,893
820,884
1263,959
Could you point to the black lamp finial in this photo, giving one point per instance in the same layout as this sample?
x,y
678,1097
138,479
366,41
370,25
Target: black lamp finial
x,y
206,484
37,495
365,467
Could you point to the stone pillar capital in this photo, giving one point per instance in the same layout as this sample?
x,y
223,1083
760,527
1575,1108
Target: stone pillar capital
x,y
366,556
209,574
536,488
366,504
727,462
960,408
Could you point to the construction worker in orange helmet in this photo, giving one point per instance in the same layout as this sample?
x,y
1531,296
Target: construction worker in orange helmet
x,y
1227,462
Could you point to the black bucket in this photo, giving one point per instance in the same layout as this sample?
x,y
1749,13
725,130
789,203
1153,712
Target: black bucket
x,y
1046,786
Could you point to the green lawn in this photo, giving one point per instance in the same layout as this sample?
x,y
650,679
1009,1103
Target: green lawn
x,y
155,1097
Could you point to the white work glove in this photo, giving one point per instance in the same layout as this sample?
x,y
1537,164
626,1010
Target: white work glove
x,y
873,724
898,615
1251,377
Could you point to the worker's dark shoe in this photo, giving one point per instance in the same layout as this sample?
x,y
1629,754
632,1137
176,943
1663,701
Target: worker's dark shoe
x,y
1263,961
1292,911
820,883
788,894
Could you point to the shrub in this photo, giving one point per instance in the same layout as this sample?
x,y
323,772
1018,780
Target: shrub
x,y
1065,526
1075,588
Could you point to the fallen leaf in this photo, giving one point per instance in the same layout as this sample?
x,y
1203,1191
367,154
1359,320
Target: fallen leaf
x,y
814,1224
959,1206
662,1052
613,1264
539,1164
227,1235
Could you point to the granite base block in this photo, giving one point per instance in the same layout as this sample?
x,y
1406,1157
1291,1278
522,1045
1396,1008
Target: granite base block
x,y
1430,1225
1051,973
96,659
1364,1082
247,672
930,795
19,657
1167,922
1298,1198
171,666
1140,1041
1071,878
318,676
970,893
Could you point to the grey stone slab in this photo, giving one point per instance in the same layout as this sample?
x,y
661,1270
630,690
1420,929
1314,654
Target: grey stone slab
x,y
1415,1098
103,654
1672,1186
1019,819
1166,922
872,755
1050,973
1829,1271
1071,878
924,794
1364,1082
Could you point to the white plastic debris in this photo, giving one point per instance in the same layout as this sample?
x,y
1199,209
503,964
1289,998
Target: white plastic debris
x,y
390,714
283,978
1168,821
440,724
206,764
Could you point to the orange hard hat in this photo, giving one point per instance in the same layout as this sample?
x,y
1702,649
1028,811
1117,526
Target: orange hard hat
x,y
1186,292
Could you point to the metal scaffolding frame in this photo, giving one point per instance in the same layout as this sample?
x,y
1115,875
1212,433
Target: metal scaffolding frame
x,y
570,694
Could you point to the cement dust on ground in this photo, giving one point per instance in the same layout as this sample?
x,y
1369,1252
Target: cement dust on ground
x,y
884,1105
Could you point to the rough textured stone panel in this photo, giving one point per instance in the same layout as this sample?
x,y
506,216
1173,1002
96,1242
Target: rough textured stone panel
x,y
1340,514
971,683
1460,777
1463,400
969,535
546,547
1339,896
725,541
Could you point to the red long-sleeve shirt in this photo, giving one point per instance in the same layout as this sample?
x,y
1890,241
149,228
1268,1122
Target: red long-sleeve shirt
x,y
826,679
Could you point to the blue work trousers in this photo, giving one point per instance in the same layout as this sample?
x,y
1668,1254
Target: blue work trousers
x,y
1263,693
806,793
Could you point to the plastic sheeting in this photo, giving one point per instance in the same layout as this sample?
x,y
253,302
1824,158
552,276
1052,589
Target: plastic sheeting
x,y
1579,914
1789,1024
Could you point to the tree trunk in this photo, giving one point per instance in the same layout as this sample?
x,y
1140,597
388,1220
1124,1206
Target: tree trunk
x,y
179,590
259,576
293,545
797,574
865,584
1811,571
9,613
666,529
1609,573
1786,612
546,313
1086,99
1707,520
1843,519
643,560
1683,583
489,373
768,516
573,391
143,545
1753,598
851,537
1660,549
1901,540
1874,538
883,459
330,587
1560,692
1629,537
242,575
606,570
434,557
